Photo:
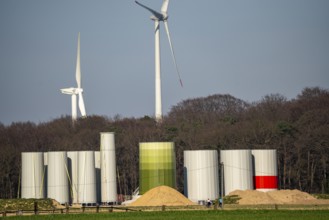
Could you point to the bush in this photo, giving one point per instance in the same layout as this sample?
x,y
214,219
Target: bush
x,y
231,199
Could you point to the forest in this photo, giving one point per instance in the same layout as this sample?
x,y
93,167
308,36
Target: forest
x,y
297,128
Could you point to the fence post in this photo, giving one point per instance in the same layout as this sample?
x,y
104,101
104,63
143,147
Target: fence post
x,y
97,208
222,185
111,209
36,207
163,208
67,208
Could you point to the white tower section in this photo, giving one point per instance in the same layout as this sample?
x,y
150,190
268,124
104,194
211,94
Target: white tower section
x,y
73,171
266,170
108,168
58,186
238,170
86,178
201,175
32,175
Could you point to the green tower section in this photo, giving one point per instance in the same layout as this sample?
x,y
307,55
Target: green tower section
x,y
157,165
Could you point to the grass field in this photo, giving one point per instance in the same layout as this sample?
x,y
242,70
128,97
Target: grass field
x,y
188,215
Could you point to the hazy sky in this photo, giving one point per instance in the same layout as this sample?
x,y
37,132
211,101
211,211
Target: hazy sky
x,y
246,48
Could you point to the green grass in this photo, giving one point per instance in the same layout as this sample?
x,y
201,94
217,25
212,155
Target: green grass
x,y
194,215
233,199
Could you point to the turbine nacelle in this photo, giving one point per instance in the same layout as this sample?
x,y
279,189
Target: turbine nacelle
x,y
165,16
71,91
162,17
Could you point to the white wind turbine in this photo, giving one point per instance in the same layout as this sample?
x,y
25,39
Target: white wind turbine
x,y
76,91
157,17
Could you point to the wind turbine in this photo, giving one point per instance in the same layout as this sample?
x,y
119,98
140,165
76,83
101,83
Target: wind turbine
x,y
76,91
157,17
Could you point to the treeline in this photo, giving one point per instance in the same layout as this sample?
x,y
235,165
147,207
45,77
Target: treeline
x,y
298,129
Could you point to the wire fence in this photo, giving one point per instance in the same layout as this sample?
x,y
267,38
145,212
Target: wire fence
x,y
66,210
110,209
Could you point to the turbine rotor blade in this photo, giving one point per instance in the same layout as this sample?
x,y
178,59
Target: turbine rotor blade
x,y
172,51
82,105
164,7
155,13
78,68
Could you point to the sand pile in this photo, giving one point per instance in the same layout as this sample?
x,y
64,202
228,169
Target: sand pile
x,y
162,195
253,197
291,196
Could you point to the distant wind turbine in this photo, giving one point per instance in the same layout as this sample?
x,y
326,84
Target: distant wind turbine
x,y
76,91
157,17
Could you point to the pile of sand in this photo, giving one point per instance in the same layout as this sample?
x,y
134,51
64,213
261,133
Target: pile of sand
x,y
253,197
162,195
292,196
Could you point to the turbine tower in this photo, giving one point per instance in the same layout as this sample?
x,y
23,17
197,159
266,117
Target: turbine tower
x,y
76,91
157,17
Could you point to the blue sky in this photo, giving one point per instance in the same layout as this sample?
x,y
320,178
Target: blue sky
x,y
246,48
